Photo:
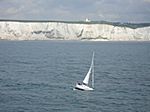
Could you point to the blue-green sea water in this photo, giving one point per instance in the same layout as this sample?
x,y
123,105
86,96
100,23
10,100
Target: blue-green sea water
x,y
39,76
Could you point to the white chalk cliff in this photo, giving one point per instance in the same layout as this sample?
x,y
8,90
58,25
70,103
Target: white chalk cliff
x,y
69,31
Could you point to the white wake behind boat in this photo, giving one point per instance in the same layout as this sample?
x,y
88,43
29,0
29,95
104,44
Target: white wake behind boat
x,y
85,86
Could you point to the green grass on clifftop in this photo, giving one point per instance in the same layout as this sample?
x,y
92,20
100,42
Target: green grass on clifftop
x,y
129,25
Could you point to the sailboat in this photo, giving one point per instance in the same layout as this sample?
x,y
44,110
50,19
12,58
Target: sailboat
x,y
85,86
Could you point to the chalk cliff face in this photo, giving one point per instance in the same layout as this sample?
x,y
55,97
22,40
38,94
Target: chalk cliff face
x,y
70,31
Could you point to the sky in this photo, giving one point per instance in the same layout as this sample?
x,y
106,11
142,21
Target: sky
x,y
135,11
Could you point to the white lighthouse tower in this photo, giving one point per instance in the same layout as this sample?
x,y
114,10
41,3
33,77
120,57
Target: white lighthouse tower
x,y
87,20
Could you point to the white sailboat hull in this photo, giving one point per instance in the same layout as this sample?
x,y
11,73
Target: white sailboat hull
x,y
83,87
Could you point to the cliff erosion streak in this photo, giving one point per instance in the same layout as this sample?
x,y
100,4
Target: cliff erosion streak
x,y
70,31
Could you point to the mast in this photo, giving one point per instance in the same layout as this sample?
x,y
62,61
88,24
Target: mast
x,y
92,66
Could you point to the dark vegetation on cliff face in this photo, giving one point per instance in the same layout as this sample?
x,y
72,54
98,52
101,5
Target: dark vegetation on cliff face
x,y
129,25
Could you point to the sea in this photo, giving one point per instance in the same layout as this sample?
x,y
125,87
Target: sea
x,y
39,76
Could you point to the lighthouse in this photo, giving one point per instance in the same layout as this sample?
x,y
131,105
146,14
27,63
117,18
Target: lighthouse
x,y
87,20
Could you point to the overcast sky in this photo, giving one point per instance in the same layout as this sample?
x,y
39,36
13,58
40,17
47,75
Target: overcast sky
x,y
108,10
